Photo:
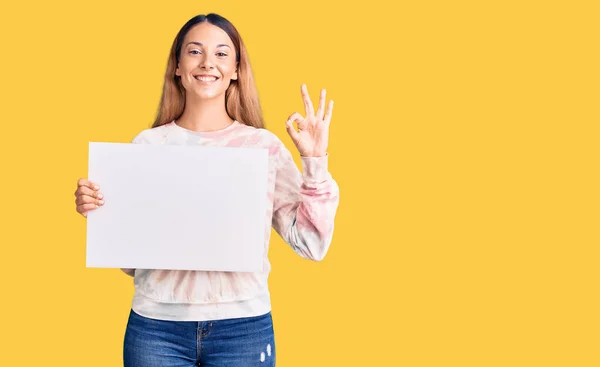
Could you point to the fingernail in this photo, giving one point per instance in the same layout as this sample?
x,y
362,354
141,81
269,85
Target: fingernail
x,y
100,196
101,202
96,187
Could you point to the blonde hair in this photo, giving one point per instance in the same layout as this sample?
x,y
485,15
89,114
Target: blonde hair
x,y
241,98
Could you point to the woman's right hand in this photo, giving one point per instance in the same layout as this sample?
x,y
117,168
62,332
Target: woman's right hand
x,y
87,196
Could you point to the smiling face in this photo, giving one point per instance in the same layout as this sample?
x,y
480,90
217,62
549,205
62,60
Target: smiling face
x,y
207,62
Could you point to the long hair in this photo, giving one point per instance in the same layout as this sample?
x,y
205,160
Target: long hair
x,y
241,98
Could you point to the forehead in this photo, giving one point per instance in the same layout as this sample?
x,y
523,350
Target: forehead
x,y
207,34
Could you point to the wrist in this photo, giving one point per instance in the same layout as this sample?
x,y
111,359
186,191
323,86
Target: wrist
x,y
313,154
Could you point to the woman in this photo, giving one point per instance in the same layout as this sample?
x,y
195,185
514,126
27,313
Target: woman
x,y
208,318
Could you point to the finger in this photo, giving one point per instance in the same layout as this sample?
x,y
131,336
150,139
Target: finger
x,y
292,132
310,111
299,119
321,110
87,183
327,117
84,190
85,199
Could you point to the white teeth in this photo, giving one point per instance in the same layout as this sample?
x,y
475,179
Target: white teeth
x,y
206,78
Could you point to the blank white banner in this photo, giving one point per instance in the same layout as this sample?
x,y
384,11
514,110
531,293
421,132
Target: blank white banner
x,y
178,207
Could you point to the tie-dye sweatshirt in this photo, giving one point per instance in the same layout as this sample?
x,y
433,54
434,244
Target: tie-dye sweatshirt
x,y
302,208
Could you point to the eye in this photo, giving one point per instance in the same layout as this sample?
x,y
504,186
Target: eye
x,y
222,54
195,52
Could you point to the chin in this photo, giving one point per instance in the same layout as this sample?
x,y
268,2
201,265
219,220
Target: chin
x,y
207,94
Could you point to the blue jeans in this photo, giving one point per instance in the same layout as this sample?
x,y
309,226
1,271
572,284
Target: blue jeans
x,y
237,342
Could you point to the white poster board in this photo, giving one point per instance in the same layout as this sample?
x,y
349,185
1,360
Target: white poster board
x,y
178,207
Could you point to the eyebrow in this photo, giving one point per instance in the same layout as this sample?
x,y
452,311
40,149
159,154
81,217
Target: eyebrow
x,y
200,44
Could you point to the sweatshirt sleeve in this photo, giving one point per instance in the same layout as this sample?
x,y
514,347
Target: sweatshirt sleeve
x,y
305,204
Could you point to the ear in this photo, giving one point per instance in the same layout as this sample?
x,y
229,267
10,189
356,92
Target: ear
x,y
235,74
177,72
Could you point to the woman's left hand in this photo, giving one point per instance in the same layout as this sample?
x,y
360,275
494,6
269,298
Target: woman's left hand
x,y
312,136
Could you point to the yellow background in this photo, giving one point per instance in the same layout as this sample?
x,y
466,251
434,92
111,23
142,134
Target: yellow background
x,y
464,140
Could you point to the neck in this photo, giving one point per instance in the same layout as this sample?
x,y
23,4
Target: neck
x,y
204,114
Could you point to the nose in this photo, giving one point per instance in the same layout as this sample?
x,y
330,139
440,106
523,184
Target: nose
x,y
206,62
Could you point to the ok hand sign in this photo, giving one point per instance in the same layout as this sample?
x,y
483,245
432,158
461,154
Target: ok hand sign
x,y
312,136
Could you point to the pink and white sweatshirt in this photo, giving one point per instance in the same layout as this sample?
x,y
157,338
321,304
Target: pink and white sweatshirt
x,y
302,208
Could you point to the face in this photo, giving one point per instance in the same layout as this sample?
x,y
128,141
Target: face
x,y
207,61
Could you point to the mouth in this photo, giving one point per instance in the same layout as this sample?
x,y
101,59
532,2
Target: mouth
x,y
206,78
